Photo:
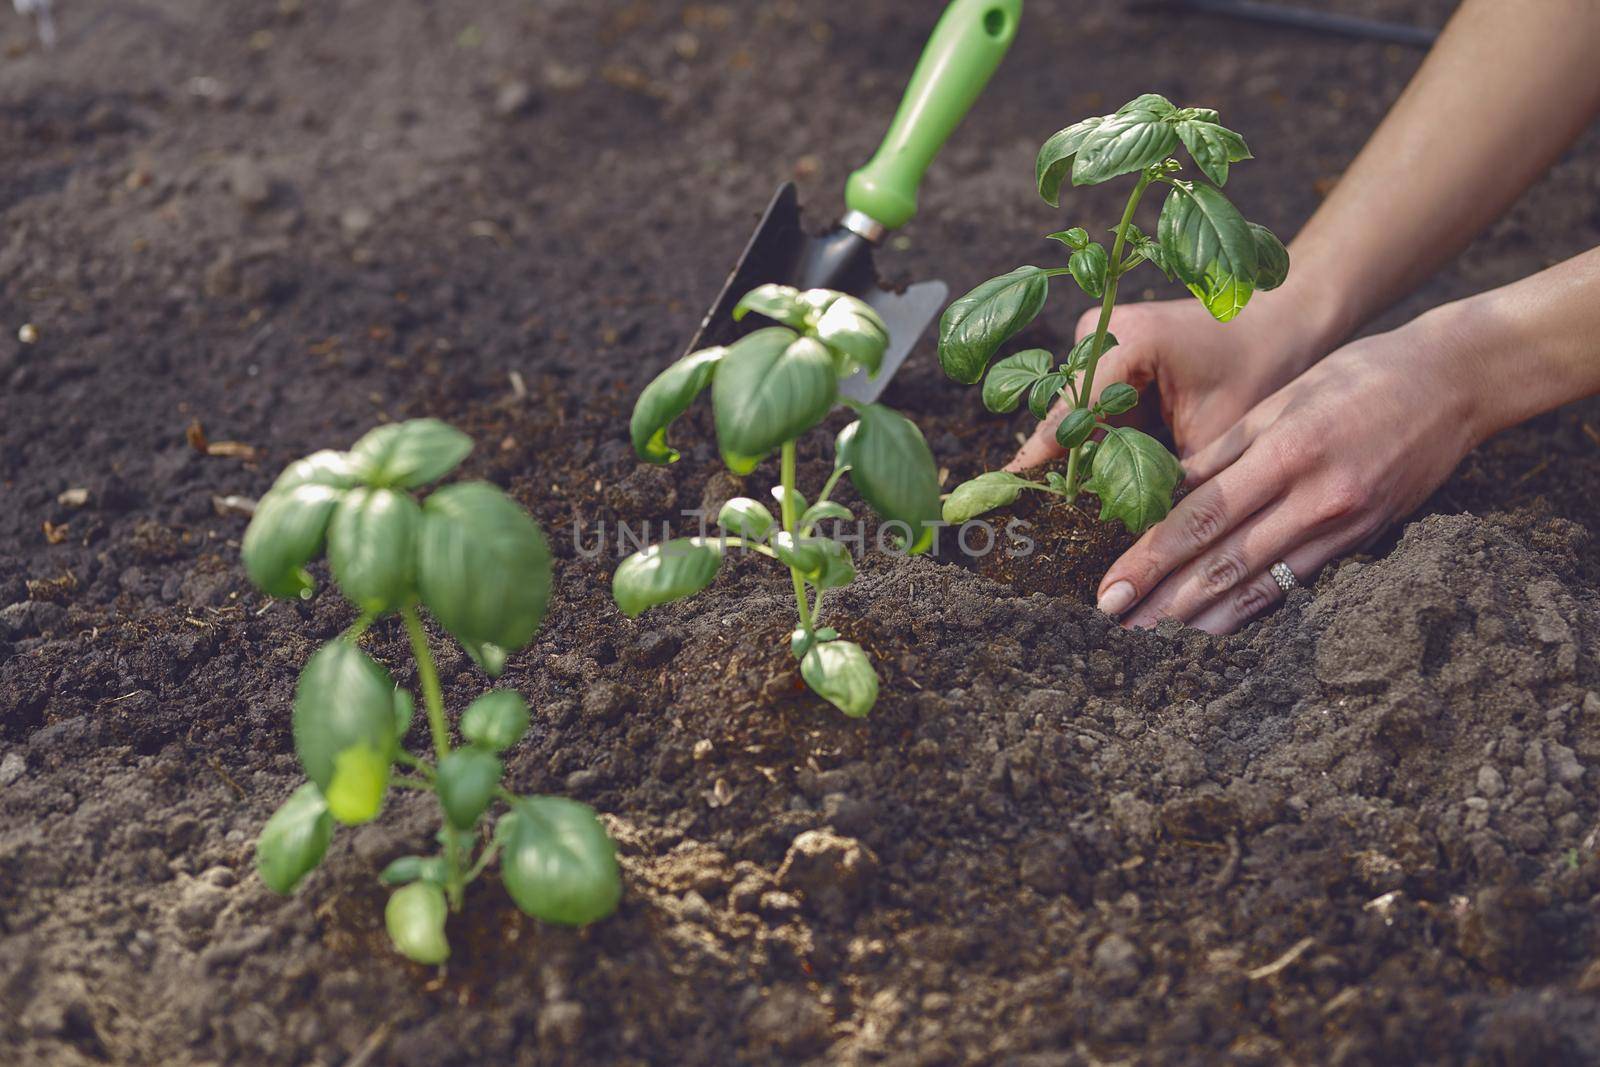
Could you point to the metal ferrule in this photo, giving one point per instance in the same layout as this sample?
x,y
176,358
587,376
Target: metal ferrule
x,y
864,225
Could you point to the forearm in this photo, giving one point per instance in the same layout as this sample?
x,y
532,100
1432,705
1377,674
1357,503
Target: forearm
x,y
1523,349
1502,94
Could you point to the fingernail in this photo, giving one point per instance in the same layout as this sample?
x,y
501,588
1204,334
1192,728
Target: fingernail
x,y
1118,598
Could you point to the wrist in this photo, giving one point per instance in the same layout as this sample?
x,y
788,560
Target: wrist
x,y
1286,331
1453,344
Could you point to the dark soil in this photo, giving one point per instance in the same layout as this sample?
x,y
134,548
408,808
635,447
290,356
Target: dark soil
x,y
1362,831
1042,544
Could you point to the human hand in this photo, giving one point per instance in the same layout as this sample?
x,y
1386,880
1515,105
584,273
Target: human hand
x,y
1315,470
1207,375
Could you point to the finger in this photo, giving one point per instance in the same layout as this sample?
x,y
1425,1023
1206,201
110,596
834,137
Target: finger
x,y
1205,463
1197,522
1261,592
1118,365
1222,570
1042,446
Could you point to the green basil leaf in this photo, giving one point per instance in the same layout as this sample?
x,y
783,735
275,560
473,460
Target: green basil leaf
x,y
839,569
801,554
854,333
1078,360
822,561
1088,269
746,518
294,840
1076,238
405,706
893,470
800,641
360,779
557,862
841,445
466,783
1117,398
780,303
344,703
1134,476
1009,378
1057,481
414,869
1128,141
336,470
994,489
799,499
1075,428
772,387
1210,248
415,917
490,658
1044,393
496,720
483,567
1272,259
1213,147
840,673
284,535
668,396
372,548
1153,252
1056,156
1151,102
666,572
826,509
972,328
408,454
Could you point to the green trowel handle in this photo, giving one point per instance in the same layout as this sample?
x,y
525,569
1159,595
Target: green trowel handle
x,y
968,43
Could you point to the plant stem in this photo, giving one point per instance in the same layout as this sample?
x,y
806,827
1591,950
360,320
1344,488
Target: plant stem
x,y
1114,271
432,694
827,486
433,700
789,521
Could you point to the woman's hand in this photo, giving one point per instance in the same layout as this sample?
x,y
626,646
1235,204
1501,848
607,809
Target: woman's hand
x,y
1315,470
1206,375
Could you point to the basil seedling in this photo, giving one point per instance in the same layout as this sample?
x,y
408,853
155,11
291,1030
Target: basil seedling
x,y
480,565
768,389
1201,240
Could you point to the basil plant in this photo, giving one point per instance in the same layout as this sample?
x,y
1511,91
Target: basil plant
x,y
480,566
1200,240
768,389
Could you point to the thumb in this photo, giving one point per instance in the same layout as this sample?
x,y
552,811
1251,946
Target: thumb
x,y
1118,365
1042,446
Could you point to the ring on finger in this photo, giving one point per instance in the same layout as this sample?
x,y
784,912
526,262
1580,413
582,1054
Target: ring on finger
x,y
1284,576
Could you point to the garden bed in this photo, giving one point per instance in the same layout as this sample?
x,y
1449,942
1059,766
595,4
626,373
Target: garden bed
x,y
1362,831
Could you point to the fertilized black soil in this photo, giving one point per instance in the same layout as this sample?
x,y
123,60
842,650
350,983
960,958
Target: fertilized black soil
x,y
1362,831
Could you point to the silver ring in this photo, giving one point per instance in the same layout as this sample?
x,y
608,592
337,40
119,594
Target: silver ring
x,y
1283,576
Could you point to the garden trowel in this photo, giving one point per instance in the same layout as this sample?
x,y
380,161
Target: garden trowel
x,y
965,48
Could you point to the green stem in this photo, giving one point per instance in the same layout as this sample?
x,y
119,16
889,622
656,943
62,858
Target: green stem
x,y
432,694
485,858
1107,302
754,546
411,783
433,700
833,480
789,521
412,761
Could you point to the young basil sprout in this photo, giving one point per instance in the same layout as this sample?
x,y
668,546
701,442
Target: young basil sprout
x,y
1201,240
480,566
768,389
